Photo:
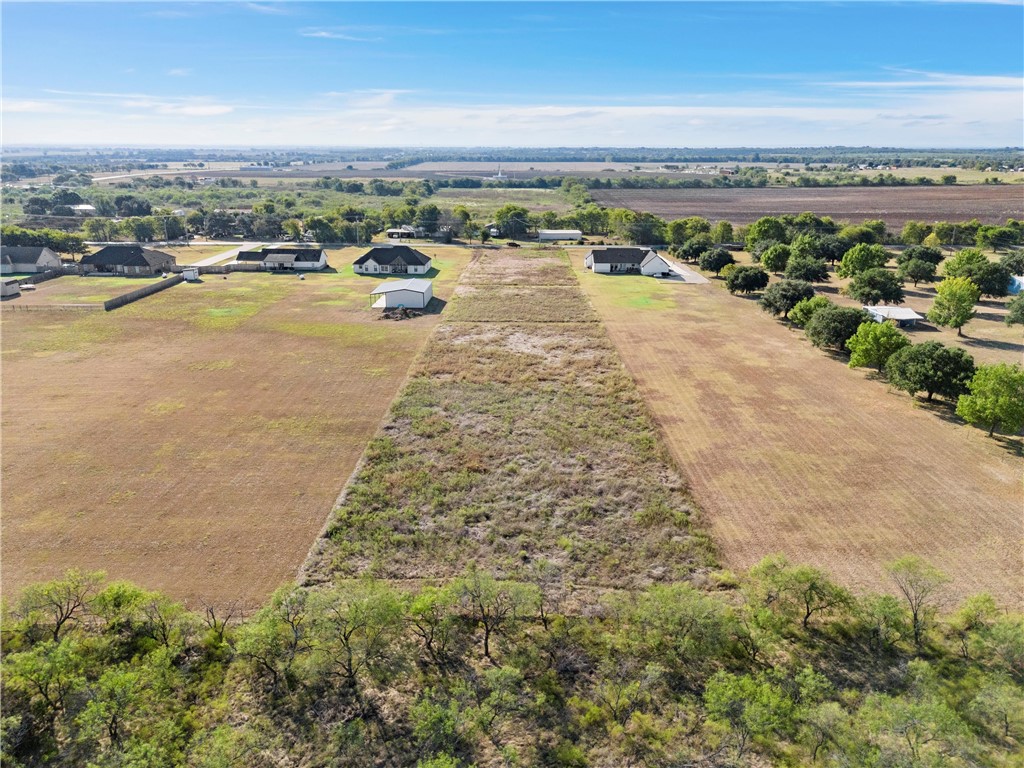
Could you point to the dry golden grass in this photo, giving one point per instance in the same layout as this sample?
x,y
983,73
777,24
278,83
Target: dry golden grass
x,y
517,443
788,450
195,441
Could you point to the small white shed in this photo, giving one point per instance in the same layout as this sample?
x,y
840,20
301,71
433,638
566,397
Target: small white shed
x,y
904,317
412,294
10,289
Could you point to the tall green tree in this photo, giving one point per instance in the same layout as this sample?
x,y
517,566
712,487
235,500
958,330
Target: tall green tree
x,y
746,279
954,303
932,368
808,269
765,228
861,258
776,258
917,271
874,286
920,583
830,327
874,343
782,296
1015,310
996,398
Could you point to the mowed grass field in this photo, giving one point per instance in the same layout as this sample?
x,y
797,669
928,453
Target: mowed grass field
x,y
194,441
788,450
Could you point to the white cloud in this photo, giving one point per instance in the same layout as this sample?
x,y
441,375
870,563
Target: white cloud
x,y
179,72
334,34
274,10
28,105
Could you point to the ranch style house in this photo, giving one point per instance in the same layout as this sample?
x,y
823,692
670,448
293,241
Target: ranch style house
x,y
646,261
392,260
126,260
27,258
282,259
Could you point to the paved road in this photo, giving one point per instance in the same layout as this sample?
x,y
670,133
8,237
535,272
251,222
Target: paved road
x,y
229,254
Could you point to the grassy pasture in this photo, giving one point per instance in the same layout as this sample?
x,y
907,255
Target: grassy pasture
x,y
193,441
790,451
75,289
519,445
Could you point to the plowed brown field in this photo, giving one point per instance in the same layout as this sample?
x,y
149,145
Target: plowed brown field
x,y
194,442
788,450
991,204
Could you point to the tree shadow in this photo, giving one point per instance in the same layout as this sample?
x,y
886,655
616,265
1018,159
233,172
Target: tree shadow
x,y
1007,346
832,289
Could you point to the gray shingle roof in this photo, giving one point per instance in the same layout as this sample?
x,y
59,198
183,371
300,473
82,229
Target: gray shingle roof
x,y
128,256
23,254
619,255
395,254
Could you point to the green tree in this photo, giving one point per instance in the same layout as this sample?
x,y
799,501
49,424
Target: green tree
x,y
830,327
874,343
745,279
919,582
954,303
992,279
57,605
512,220
861,258
932,368
917,270
914,232
797,591
750,707
776,258
996,398
805,309
495,606
964,262
921,253
1013,261
645,229
693,248
873,286
808,269
765,228
722,232
1015,311
782,296
714,260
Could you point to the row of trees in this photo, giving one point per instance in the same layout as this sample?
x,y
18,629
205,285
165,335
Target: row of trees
x,y
784,665
56,240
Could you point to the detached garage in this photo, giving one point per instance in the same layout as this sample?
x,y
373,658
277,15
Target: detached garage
x,y
413,294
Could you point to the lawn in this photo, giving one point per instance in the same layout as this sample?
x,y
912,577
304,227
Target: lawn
x,y
196,440
788,450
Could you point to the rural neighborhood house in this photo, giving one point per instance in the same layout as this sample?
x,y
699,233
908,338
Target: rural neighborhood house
x,y
643,260
405,232
27,258
414,293
392,260
126,260
281,259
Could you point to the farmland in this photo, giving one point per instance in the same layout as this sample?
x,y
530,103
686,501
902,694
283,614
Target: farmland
x,y
518,444
194,441
991,204
789,451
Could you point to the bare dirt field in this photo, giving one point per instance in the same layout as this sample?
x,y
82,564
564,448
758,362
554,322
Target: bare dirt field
x,y
194,441
991,204
787,450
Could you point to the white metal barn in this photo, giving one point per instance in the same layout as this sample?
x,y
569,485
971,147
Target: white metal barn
x,y
904,317
551,235
412,294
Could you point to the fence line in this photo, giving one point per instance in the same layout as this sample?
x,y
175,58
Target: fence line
x,y
140,293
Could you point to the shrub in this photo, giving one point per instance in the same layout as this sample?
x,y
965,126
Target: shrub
x,y
874,343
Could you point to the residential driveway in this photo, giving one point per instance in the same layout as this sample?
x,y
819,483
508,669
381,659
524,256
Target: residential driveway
x,y
229,254
685,274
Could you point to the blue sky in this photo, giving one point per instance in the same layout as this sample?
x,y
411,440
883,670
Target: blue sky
x,y
697,74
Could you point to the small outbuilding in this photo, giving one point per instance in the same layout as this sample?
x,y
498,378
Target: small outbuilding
x,y
405,232
392,260
27,258
9,289
904,317
127,260
553,235
414,293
